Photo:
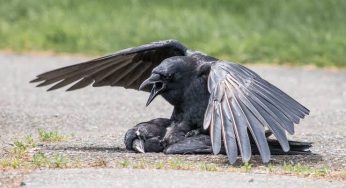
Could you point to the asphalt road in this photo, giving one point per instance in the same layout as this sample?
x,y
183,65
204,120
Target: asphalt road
x,y
96,119
159,178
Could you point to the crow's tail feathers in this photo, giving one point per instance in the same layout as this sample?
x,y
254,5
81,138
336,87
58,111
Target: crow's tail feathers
x,y
296,148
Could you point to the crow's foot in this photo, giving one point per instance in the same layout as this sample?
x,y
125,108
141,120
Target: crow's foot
x,y
175,132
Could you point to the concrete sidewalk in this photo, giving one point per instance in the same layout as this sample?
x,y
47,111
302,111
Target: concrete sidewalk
x,y
95,120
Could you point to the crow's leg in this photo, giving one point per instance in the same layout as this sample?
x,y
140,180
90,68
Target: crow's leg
x,y
147,136
175,132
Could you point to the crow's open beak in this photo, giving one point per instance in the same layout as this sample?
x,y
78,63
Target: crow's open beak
x,y
157,88
138,145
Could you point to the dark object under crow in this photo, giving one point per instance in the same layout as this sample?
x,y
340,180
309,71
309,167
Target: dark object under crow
x,y
219,106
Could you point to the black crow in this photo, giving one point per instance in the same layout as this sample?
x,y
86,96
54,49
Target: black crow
x,y
219,106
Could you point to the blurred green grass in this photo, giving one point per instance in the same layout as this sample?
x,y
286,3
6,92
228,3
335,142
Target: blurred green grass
x,y
246,31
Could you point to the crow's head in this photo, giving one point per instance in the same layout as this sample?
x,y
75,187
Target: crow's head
x,y
170,78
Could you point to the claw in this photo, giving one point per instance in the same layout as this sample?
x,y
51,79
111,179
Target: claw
x,y
138,145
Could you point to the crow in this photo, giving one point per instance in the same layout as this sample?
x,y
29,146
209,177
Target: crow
x,y
219,106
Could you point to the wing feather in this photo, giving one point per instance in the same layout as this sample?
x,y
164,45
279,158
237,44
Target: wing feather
x,y
258,132
285,108
103,77
137,74
248,104
280,116
255,121
105,71
126,72
255,124
208,115
216,131
71,71
228,134
89,77
297,109
241,125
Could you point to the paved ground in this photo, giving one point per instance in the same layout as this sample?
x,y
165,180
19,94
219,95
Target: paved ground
x,y
96,119
120,178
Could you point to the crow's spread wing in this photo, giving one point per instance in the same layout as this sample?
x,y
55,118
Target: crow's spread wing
x,y
241,102
127,68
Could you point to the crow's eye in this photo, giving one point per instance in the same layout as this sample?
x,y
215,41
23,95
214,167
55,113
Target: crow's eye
x,y
168,77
